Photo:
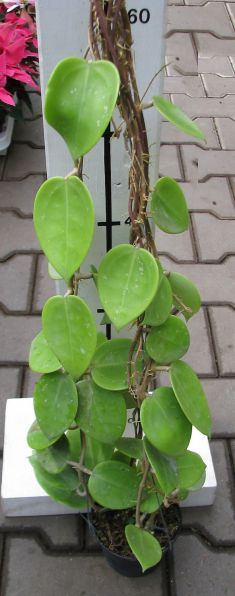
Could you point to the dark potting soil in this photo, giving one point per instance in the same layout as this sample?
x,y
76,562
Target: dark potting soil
x,y
110,527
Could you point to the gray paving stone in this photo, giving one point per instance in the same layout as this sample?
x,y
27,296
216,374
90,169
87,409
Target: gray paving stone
x,y
218,65
37,106
178,246
180,53
226,131
208,45
199,2
231,10
204,107
218,519
16,234
211,18
201,571
216,163
44,287
213,195
221,398
15,275
29,383
199,355
9,387
16,335
171,134
191,85
216,283
215,238
190,157
30,132
81,575
169,163
23,160
232,444
223,321
20,194
217,86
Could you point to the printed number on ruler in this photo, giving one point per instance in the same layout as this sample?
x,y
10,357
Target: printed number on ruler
x,y
142,15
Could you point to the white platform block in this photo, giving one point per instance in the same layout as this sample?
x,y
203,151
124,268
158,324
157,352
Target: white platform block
x,y
22,495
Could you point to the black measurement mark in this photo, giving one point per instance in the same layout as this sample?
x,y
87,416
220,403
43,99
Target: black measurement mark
x,y
104,223
108,188
143,16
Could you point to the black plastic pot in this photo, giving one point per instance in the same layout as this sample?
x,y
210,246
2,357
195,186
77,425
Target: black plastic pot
x,y
128,566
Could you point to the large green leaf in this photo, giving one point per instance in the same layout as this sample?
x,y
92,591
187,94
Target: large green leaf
x,y
144,545
61,487
185,294
191,468
152,496
160,307
175,115
55,403
109,365
131,447
41,357
169,341
54,458
70,330
101,413
95,451
190,395
64,222
79,101
36,438
114,484
127,282
168,206
164,423
164,467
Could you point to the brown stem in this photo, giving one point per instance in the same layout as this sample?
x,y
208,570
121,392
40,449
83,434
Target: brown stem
x,y
140,493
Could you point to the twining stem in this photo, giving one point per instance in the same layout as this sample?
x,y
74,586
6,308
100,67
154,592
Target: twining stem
x,y
79,467
140,493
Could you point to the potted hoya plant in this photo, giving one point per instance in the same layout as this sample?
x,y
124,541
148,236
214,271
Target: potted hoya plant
x,y
18,64
130,485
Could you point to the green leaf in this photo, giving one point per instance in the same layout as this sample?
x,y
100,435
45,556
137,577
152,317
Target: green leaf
x,y
191,469
131,447
54,458
127,282
70,330
101,413
199,484
53,274
55,403
109,365
79,101
175,115
105,320
169,341
164,423
190,395
159,309
64,223
95,451
41,357
168,206
114,484
152,496
130,401
145,547
185,294
101,339
61,487
164,467
36,438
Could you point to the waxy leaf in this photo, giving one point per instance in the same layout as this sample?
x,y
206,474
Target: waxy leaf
x,y
168,206
95,451
131,447
64,222
144,545
53,274
191,469
114,484
55,403
160,307
36,438
175,115
101,339
70,330
61,487
41,357
109,365
190,395
164,423
164,467
127,282
185,294
168,342
152,496
54,458
79,101
101,413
